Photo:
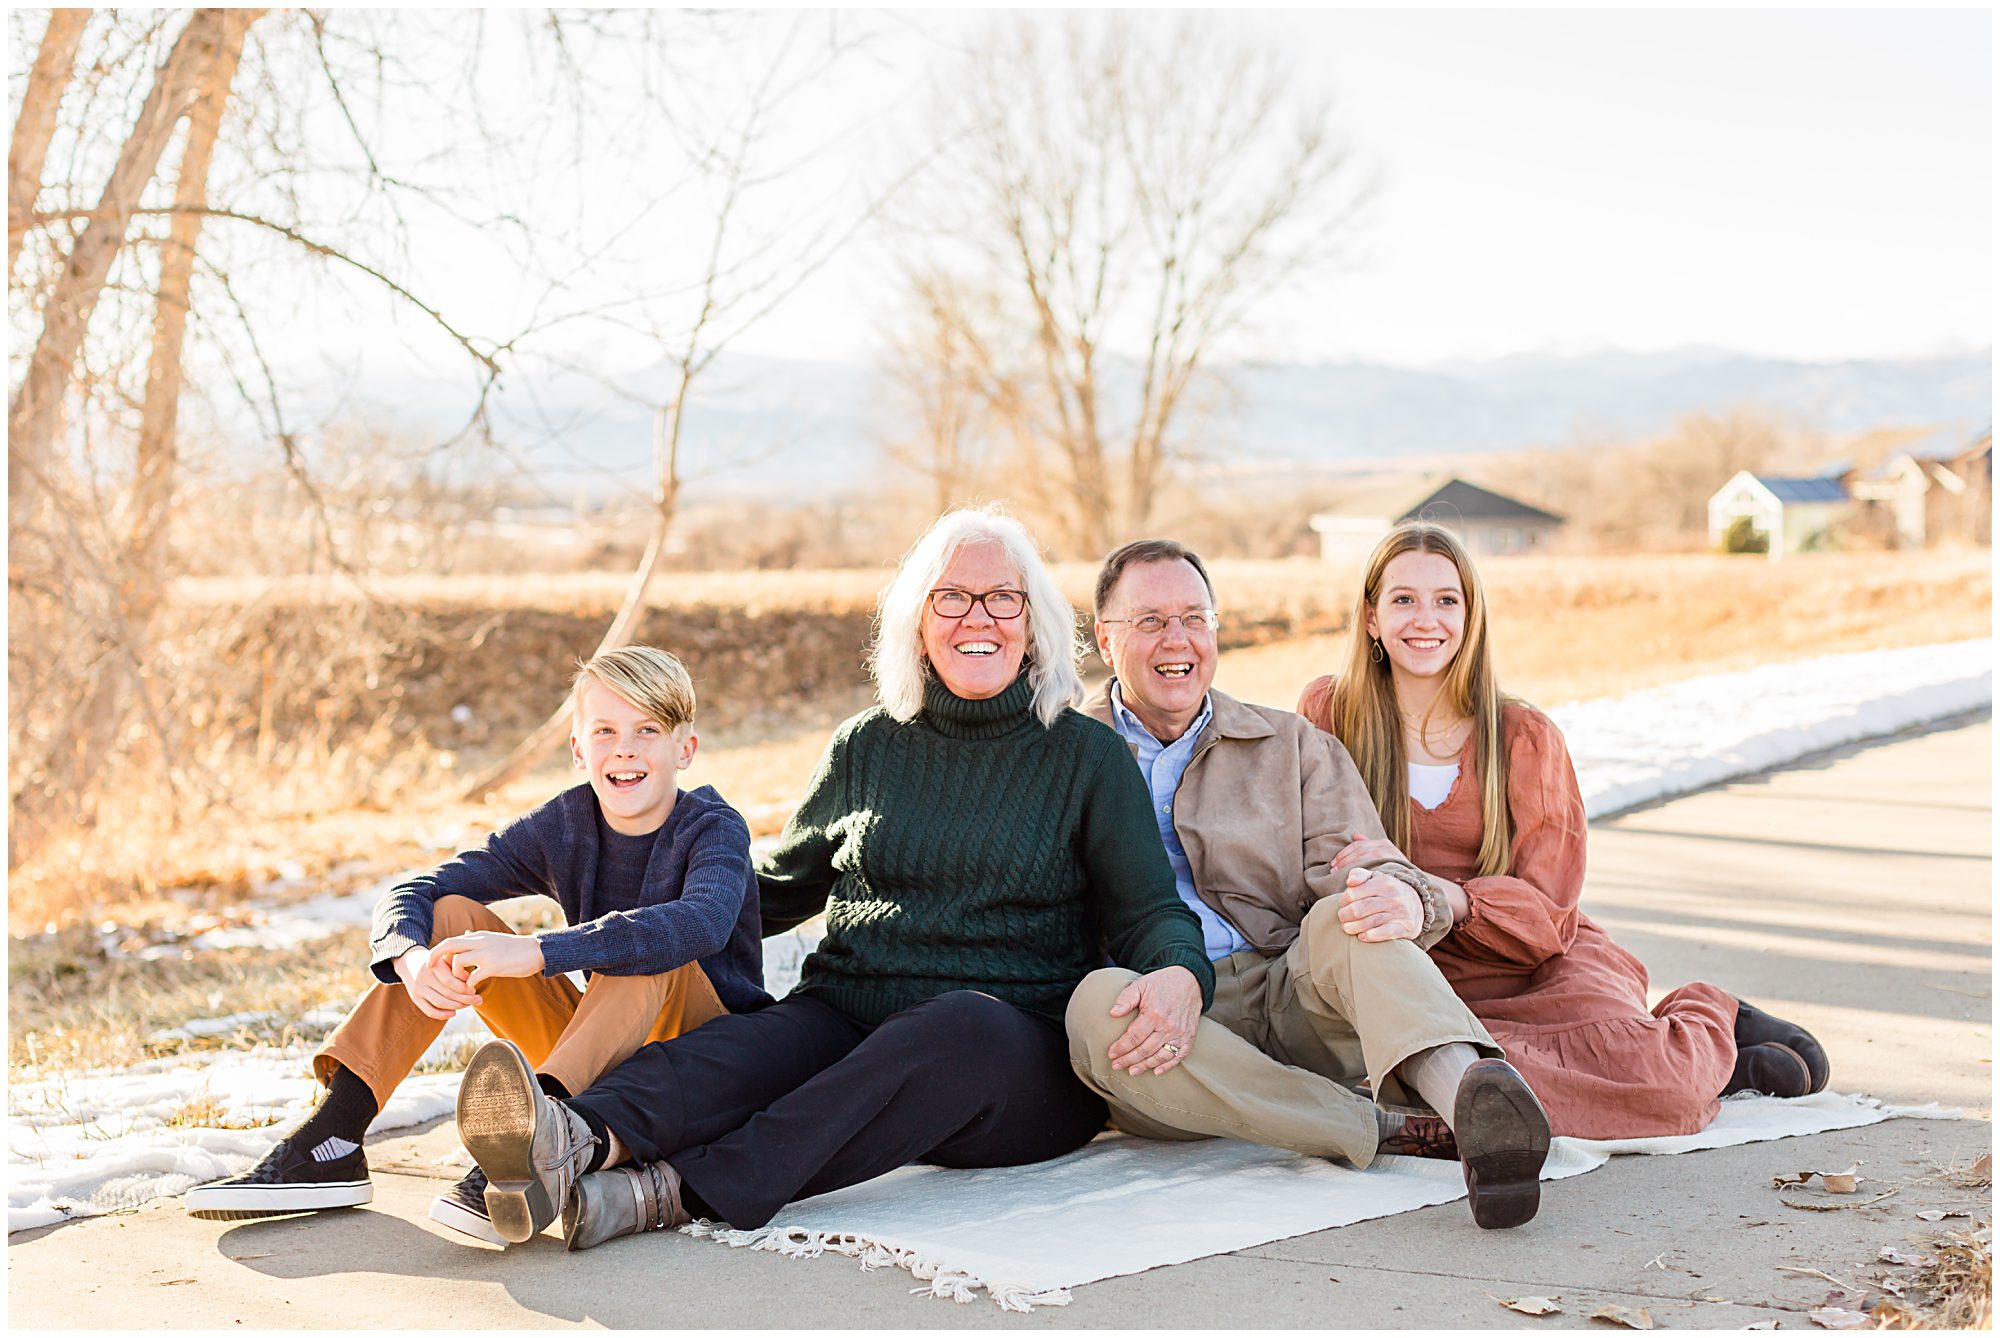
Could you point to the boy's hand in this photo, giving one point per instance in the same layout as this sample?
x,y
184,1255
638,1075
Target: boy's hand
x,y
483,955
433,988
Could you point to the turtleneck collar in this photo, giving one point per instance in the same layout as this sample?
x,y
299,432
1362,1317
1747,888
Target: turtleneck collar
x,y
989,718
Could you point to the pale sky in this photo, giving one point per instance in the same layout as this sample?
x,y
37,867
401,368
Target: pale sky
x,y
1812,185
1802,184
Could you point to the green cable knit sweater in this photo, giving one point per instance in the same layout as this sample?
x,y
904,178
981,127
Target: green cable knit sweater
x,y
973,849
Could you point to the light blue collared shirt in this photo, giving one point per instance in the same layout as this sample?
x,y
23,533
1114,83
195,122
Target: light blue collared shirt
x,y
1163,765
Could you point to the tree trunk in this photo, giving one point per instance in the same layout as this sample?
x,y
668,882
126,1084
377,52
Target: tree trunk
x,y
625,623
55,62
142,566
158,453
35,415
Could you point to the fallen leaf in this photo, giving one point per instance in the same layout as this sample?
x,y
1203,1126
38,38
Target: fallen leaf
x,y
1984,1166
1531,1305
174,1282
1763,1324
1939,1214
1618,1314
1845,1299
1885,1313
1891,1286
1831,1317
1834,1182
1811,1273
1891,1255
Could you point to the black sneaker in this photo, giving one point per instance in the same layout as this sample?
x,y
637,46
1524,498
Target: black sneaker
x,y
332,1174
463,1208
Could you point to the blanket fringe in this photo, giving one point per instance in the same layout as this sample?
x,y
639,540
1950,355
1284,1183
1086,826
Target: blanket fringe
x,y
941,1281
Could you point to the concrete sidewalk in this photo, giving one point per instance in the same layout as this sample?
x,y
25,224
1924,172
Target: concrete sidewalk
x,y
1852,893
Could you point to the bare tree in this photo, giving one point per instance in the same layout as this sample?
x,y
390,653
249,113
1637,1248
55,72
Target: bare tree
x,y
1097,231
743,278
34,416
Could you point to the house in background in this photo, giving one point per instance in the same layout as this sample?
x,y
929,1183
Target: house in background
x,y
1937,489
1489,522
1793,514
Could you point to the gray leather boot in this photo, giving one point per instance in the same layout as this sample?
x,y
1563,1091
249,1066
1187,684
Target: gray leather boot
x,y
531,1148
623,1201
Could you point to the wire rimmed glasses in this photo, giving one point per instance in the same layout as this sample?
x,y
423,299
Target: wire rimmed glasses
x,y
1194,622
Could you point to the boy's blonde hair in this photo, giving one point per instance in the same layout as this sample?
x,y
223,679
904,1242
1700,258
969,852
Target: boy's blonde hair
x,y
652,680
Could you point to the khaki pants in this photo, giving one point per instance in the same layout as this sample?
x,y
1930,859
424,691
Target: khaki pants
x,y
573,1036
1271,1057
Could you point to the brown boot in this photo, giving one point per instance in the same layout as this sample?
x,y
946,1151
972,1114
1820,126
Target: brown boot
x,y
1421,1136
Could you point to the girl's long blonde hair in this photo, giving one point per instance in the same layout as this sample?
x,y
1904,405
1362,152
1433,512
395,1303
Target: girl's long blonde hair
x,y
1363,706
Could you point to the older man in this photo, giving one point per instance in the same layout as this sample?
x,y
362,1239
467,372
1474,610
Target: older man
x,y
1321,978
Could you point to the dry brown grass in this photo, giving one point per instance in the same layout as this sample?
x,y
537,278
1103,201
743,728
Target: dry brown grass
x,y
73,1004
1954,1290
1565,628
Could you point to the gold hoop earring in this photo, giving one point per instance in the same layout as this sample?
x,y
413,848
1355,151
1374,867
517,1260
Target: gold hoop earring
x,y
1374,650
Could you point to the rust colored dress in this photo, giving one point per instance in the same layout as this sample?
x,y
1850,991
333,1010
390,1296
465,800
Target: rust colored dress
x,y
1566,1003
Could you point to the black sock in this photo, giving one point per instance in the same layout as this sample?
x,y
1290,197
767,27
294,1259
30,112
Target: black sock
x,y
553,1088
600,1129
696,1205
346,1113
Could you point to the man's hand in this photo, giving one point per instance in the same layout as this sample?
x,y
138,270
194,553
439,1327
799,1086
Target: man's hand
x,y
433,988
1361,850
485,954
1376,907
1166,1005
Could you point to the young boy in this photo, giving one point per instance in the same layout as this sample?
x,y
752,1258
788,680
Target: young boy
x,y
659,905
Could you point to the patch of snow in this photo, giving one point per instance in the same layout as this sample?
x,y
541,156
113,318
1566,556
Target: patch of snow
x,y
100,1140
1665,741
105,1139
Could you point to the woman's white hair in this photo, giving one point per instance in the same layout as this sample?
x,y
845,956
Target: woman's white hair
x,y
897,660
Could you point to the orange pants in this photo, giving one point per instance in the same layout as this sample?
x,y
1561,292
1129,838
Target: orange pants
x,y
574,1036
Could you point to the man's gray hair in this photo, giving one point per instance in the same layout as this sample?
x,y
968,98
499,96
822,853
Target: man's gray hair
x,y
897,659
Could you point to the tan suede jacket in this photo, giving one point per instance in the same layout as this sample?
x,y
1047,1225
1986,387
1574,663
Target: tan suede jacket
x,y
1266,802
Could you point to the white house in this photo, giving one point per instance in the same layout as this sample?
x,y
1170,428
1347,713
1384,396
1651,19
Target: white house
x,y
1793,514
1940,488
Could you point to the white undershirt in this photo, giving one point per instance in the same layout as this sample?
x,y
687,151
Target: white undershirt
x,y
1430,785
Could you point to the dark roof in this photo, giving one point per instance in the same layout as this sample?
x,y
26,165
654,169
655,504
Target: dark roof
x,y
1458,500
1804,490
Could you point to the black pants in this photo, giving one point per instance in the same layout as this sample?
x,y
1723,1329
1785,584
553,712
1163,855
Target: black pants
x,y
757,1109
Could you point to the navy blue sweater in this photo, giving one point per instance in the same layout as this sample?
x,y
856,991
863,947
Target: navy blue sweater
x,y
698,901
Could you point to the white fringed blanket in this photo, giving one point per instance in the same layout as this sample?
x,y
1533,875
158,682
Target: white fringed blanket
x,y
1025,1235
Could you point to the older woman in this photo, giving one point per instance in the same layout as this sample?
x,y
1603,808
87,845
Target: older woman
x,y
1479,790
978,845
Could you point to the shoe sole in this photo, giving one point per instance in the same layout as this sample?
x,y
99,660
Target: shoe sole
x,y
1803,1087
450,1213
1754,1026
1503,1141
241,1203
496,1122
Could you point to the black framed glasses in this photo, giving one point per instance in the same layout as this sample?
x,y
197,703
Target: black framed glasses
x,y
1000,605
1194,622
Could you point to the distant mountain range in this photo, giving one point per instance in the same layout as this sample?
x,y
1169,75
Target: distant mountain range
x,y
794,430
